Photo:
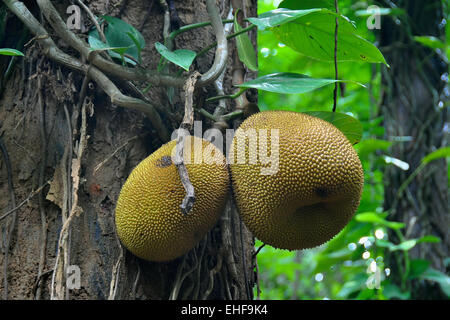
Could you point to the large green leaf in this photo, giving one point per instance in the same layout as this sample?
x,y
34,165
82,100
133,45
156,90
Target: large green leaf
x,y
10,52
245,48
278,17
287,83
313,35
180,57
306,4
348,125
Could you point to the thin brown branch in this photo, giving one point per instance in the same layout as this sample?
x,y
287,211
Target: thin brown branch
x,y
24,202
94,20
54,53
111,68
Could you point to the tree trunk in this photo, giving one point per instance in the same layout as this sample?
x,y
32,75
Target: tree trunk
x,y
414,96
43,121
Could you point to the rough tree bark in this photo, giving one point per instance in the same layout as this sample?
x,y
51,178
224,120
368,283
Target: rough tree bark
x,y
43,121
412,106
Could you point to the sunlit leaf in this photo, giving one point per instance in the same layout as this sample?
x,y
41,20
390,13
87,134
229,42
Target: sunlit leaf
x,y
430,41
313,35
405,245
287,83
278,17
180,57
307,4
376,218
429,239
348,125
10,52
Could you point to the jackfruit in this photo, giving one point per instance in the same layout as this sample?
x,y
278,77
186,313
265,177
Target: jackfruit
x,y
149,220
310,188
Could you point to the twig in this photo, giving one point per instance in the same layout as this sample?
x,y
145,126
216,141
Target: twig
x,y
147,15
212,273
336,84
136,281
186,125
114,284
24,202
9,230
74,209
101,164
94,20
106,66
177,282
258,250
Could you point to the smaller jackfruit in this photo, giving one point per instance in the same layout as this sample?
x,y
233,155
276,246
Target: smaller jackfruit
x,y
149,221
313,189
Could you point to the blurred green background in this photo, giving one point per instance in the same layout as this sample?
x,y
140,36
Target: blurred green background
x,y
353,264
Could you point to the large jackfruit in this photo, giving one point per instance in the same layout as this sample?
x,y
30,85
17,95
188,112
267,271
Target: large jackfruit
x,y
148,218
309,190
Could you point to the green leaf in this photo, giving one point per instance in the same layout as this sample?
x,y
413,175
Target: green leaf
x,y
385,244
287,83
405,245
439,277
10,52
121,37
121,34
438,154
376,218
116,52
313,35
392,291
306,4
429,239
417,267
180,57
348,125
245,48
430,41
278,17
349,287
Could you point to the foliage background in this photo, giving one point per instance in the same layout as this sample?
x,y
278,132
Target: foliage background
x,y
353,264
